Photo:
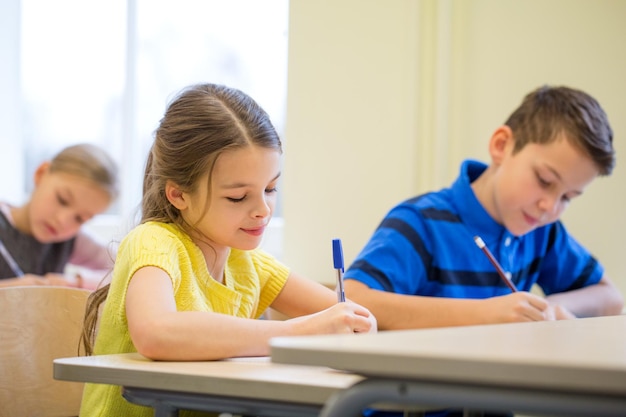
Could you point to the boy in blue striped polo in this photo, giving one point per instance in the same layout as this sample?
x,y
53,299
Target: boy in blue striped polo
x,y
421,268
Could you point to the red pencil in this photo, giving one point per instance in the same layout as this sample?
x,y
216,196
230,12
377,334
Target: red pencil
x,y
494,262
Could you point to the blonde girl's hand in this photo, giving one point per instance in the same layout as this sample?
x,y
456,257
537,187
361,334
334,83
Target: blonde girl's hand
x,y
345,317
48,279
61,280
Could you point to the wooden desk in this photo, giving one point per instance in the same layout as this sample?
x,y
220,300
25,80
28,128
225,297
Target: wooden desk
x,y
252,386
568,368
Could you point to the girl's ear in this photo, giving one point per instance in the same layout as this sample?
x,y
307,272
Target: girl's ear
x,y
501,144
40,172
175,196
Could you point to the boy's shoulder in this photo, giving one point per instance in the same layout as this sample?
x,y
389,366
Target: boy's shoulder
x,y
430,203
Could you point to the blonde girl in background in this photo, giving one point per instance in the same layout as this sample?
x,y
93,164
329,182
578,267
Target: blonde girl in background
x,y
189,282
41,237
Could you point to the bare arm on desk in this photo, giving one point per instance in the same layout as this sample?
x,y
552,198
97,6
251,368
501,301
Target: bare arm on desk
x,y
159,331
601,299
47,279
397,311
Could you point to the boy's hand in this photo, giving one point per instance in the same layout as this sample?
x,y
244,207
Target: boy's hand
x,y
561,313
519,306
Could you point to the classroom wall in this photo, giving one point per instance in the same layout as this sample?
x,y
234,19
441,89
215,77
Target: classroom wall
x,y
386,98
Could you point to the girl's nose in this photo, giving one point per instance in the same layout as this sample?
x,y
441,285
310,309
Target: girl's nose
x,y
262,208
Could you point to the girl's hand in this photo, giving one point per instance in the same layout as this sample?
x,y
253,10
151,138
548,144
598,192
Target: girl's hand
x,y
345,317
48,279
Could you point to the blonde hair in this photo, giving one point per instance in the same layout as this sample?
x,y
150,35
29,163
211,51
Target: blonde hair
x,y
90,162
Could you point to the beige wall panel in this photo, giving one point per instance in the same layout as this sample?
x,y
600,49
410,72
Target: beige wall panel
x,y
387,97
350,131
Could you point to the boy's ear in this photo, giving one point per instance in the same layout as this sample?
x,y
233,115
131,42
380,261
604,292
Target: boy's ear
x,y
40,172
501,144
175,195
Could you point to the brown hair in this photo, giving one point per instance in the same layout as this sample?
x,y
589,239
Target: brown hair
x,y
548,112
201,123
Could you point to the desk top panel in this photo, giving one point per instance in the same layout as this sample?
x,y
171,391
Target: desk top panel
x,y
255,377
582,354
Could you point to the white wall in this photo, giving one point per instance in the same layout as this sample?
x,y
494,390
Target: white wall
x,y
386,98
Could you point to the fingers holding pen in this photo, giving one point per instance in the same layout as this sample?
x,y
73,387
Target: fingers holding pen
x,y
549,310
350,317
538,308
520,306
365,321
346,317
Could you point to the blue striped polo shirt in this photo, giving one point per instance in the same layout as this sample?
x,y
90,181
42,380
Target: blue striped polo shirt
x,y
425,246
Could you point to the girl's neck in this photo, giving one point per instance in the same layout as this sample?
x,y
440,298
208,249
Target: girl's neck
x,y
215,258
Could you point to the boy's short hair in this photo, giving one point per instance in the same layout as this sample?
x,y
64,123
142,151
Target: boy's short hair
x,y
548,112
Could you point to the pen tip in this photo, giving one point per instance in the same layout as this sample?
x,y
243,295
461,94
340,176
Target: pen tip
x,y
479,242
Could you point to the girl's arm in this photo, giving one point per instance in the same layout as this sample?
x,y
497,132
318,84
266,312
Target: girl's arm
x,y
301,296
159,331
50,279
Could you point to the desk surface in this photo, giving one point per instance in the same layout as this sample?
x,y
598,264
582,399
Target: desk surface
x,y
255,378
583,355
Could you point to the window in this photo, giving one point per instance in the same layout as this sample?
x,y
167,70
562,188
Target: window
x,y
103,71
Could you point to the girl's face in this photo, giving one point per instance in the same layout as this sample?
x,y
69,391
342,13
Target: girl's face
x,y
242,198
61,203
534,186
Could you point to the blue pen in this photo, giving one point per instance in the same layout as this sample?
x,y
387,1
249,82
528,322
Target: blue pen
x,y
338,264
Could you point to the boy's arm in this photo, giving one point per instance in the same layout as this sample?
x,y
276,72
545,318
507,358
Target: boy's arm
x,y
601,299
397,311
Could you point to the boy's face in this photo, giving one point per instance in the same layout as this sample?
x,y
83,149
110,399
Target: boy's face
x,y
534,186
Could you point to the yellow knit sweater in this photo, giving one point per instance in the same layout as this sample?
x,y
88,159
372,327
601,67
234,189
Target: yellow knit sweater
x,y
252,281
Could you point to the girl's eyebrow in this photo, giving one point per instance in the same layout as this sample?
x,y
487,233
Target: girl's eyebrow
x,y
242,184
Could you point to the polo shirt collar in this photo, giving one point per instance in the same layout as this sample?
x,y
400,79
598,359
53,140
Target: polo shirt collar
x,y
470,210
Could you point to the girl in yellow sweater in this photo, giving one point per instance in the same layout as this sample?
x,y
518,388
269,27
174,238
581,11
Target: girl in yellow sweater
x,y
189,281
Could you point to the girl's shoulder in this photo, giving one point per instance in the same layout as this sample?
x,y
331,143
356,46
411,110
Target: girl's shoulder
x,y
157,234
156,228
